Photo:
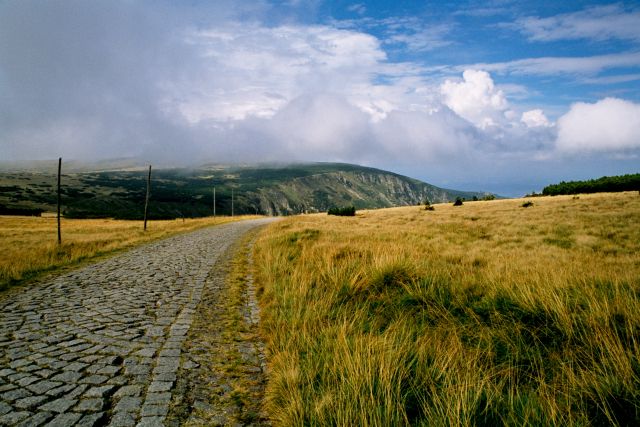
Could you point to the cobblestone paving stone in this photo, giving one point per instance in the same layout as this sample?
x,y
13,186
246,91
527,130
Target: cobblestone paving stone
x,y
102,345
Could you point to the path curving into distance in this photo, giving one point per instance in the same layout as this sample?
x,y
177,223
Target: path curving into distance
x,y
102,345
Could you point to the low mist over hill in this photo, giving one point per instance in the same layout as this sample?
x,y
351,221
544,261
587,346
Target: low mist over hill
x,y
271,190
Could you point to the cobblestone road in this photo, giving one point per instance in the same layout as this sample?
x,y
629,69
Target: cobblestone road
x,y
102,345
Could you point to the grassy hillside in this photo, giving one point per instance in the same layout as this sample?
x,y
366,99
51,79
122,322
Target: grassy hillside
x,y
489,313
176,193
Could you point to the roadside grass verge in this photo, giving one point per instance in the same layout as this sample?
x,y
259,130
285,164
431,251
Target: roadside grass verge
x,y
240,348
484,314
30,249
227,387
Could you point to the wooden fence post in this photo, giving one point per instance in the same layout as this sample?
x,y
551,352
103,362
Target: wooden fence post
x,y
146,200
59,171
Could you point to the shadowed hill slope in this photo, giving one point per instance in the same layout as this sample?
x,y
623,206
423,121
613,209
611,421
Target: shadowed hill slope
x,y
270,190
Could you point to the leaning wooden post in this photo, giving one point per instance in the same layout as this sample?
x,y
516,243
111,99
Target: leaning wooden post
x,y
146,200
59,171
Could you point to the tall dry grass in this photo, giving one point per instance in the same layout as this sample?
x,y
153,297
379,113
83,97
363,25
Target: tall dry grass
x,y
29,244
484,314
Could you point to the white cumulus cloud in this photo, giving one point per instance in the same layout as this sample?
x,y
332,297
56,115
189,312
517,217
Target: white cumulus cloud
x,y
535,118
475,98
610,124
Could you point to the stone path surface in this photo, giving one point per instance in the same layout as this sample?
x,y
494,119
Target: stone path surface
x,y
224,382
102,345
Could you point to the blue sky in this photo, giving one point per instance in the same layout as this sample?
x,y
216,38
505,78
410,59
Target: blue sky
x,y
501,95
485,35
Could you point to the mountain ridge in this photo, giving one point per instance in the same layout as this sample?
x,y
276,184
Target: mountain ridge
x,y
269,189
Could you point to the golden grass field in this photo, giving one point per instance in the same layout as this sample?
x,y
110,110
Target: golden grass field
x,y
30,245
488,313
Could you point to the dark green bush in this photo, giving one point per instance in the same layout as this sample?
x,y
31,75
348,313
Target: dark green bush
x,y
458,202
427,205
4,210
342,211
527,204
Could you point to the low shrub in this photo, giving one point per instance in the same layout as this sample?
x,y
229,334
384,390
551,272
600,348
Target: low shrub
x,y
458,202
342,211
527,204
427,205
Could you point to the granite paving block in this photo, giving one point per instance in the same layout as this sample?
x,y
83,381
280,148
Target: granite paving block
x,y
65,420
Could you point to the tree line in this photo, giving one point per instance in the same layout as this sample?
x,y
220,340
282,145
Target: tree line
x,y
629,182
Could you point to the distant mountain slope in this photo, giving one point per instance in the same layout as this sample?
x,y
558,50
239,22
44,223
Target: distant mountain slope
x,y
318,187
270,190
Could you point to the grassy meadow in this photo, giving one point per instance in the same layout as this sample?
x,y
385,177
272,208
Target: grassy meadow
x,y
30,245
489,313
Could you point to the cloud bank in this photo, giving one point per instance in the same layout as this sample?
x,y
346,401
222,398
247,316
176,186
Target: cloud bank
x,y
607,125
91,80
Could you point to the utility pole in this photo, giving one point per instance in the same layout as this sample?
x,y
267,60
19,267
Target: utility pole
x,y
59,171
146,200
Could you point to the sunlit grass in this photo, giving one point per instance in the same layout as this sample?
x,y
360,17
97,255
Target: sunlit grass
x,y
30,248
488,313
